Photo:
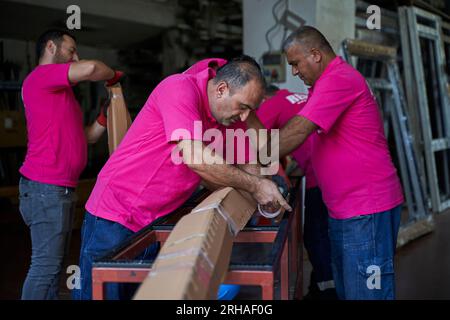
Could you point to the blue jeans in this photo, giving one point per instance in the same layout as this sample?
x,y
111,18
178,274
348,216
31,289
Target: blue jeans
x,y
98,237
362,255
316,239
48,211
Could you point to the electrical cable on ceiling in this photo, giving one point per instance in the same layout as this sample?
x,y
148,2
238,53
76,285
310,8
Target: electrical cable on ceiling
x,y
285,28
277,22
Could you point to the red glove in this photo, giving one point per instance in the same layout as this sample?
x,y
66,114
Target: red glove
x,y
117,76
102,119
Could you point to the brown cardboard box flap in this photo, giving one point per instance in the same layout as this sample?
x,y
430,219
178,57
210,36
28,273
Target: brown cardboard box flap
x,y
236,208
119,119
195,258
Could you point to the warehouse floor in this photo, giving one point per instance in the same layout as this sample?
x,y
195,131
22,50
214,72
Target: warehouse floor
x,y
423,266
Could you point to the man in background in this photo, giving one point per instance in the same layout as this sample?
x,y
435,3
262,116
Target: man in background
x,y
278,107
56,154
352,165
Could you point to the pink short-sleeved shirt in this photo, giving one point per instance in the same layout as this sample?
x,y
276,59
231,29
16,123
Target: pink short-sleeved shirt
x,y
350,157
275,112
140,182
57,146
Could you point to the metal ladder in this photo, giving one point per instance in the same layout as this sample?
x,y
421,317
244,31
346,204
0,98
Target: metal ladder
x,y
428,98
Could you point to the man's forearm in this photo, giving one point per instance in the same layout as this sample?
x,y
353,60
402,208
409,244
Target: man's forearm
x,y
249,168
210,185
294,133
94,132
101,72
224,175
89,70
253,169
213,168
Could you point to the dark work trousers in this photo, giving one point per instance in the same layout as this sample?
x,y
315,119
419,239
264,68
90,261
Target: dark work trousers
x,y
48,210
317,241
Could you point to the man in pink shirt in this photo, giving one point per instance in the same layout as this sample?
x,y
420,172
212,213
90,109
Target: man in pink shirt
x,y
56,154
143,180
352,164
278,107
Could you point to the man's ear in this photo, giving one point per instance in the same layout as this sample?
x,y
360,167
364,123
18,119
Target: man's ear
x,y
222,89
317,55
51,47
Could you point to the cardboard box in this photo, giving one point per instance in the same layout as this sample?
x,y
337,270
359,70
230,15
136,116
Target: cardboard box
x,y
194,261
119,119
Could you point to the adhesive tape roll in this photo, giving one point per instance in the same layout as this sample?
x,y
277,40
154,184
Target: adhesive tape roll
x,y
269,215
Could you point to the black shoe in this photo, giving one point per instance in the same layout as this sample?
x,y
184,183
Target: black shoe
x,y
328,294
316,294
313,292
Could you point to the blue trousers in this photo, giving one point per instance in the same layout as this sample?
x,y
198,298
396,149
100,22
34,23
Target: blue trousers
x,y
362,255
98,237
48,212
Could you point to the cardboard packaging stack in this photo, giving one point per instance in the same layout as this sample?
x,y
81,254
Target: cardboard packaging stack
x,y
119,119
194,261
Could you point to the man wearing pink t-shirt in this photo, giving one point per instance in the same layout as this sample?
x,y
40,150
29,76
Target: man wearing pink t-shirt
x,y
276,110
56,154
141,182
352,164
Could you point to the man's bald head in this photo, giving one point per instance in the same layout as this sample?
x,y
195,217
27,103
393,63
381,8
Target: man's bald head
x,y
308,38
309,53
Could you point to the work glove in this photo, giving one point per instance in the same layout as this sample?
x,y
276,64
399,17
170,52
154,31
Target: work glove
x,y
102,117
117,76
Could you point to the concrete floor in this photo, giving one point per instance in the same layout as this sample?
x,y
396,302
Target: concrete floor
x,y
422,266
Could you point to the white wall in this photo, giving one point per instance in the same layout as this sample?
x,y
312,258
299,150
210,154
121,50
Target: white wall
x,y
334,18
